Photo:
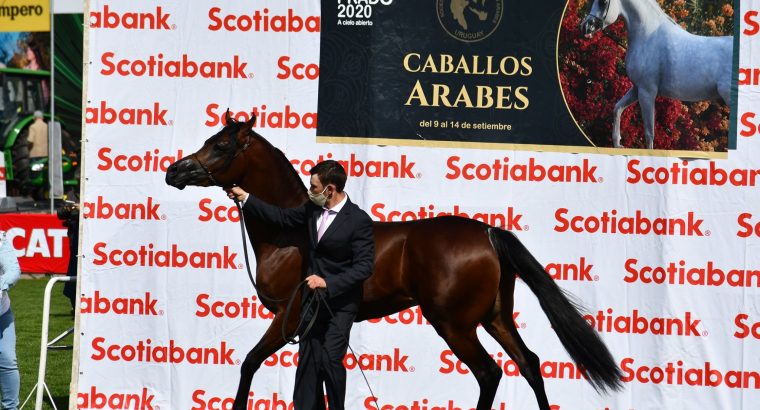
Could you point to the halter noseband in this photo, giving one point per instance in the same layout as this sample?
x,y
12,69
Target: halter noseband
x,y
206,169
599,21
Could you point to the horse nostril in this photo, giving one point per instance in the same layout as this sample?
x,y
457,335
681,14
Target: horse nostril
x,y
172,169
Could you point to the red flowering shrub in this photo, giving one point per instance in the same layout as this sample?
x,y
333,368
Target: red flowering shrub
x,y
593,78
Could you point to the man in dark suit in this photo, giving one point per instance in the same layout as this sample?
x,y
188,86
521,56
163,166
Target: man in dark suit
x,y
341,258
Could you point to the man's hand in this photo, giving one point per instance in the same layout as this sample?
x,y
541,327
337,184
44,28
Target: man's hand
x,y
315,281
237,193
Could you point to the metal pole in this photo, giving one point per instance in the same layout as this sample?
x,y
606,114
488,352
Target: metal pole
x,y
44,341
51,127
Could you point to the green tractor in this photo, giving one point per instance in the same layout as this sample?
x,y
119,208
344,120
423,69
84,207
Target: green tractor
x,y
23,92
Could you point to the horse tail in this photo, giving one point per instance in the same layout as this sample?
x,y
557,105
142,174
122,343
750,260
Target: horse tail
x,y
579,339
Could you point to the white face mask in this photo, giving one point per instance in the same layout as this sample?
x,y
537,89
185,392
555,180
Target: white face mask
x,y
318,199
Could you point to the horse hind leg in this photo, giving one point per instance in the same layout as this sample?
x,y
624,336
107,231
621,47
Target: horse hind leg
x,y
502,329
464,342
625,102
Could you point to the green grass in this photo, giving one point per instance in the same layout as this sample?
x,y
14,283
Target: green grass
x,y
26,302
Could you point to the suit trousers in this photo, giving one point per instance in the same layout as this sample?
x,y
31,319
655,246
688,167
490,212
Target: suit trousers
x,y
320,360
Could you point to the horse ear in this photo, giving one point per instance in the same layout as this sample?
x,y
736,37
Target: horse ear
x,y
227,118
252,121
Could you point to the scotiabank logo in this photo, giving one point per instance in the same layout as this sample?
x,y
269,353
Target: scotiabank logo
x,y
501,170
683,174
272,402
246,308
100,209
411,317
182,67
610,223
549,369
427,404
747,227
103,114
401,168
414,317
37,241
509,219
150,161
265,118
298,71
746,328
147,352
607,321
101,305
678,273
154,20
580,271
676,373
219,213
262,20
390,362
146,255
749,120
95,399
749,76
752,25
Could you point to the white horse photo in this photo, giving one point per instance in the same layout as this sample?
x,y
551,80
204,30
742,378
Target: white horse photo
x,y
662,59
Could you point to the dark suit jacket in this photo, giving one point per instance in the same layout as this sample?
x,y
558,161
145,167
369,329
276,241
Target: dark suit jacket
x,y
345,255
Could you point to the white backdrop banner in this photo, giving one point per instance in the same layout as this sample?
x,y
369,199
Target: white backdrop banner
x,y
167,311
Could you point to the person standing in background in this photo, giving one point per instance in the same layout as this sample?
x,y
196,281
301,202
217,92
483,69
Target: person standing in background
x,y
38,137
9,375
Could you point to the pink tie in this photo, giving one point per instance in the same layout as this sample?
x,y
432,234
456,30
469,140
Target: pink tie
x,y
323,223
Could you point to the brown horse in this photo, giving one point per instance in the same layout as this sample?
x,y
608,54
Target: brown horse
x,y
459,271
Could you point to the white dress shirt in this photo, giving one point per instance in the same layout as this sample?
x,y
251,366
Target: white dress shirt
x,y
331,216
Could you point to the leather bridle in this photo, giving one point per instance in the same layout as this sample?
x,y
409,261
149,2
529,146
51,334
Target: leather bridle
x,y
206,169
598,22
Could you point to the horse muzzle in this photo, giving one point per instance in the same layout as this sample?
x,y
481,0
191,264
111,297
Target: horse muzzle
x,y
590,25
183,173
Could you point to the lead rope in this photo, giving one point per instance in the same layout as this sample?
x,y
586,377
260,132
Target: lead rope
x,y
314,299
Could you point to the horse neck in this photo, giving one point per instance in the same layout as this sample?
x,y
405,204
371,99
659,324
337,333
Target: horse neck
x,y
642,18
272,179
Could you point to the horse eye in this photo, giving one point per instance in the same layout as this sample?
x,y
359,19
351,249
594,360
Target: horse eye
x,y
221,146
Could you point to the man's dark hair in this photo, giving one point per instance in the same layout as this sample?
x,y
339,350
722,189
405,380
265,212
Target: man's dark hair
x,y
330,172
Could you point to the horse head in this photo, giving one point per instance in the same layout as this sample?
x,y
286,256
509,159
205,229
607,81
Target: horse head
x,y
602,14
219,161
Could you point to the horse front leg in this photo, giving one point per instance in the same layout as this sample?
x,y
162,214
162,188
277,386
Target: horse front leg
x,y
724,89
646,102
270,343
625,102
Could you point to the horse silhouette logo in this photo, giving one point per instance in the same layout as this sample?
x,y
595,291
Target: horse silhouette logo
x,y
469,20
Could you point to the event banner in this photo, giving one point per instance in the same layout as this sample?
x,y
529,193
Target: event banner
x,y
539,73
660,246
